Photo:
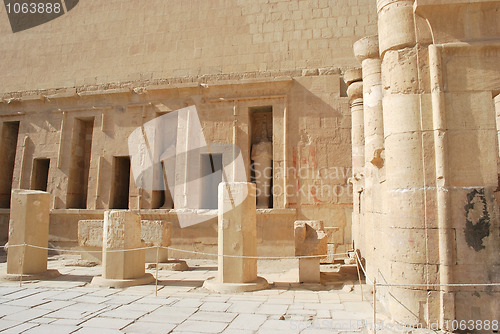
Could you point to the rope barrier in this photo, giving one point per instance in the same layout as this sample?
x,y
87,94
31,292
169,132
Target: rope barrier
x,y
178,250
371,282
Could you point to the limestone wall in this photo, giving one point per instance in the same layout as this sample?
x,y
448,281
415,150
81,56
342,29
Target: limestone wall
x,y
85,132
118,40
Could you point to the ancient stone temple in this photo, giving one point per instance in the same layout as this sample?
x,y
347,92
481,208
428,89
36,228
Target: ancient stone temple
x,y
377,118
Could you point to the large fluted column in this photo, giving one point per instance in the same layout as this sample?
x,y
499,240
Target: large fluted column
x,y
409,224
353,79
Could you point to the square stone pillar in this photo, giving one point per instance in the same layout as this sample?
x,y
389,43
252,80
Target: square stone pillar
x,y
310,240
122,267
29,225
237,240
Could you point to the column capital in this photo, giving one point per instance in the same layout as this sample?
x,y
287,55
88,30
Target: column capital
x,y
366,47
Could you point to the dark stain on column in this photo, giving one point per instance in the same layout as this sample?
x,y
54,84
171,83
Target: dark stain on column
x,y
477,226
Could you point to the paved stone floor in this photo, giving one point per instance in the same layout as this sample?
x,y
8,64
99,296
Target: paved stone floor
x,y
69,304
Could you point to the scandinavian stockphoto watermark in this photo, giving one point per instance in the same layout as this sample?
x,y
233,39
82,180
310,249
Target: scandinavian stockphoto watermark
x,y
171,155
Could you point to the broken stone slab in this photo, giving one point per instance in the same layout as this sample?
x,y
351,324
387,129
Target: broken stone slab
x,y
310,240
153,233
123,262
29,236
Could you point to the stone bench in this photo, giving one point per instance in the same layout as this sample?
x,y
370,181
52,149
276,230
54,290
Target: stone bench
x,y
153,233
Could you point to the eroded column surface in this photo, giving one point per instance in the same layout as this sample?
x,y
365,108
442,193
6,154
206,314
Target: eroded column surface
x,y
29,226
237,248
353,78
367,52
123,262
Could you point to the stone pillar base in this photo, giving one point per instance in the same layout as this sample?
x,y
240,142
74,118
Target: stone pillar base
x,y
309,270
99,281
172,265
47,275
213,284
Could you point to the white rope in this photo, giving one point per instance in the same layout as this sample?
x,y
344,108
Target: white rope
x,y
179,250
421,285
254,257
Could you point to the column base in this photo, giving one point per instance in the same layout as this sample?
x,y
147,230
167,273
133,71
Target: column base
x,y
214,285
49,274
172,265
101,282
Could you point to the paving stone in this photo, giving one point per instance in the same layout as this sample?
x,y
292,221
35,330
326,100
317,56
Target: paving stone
x,y
92,330
272,309
5,324
27,302
302,312
68,295
51,329
56,305
27,315
282,326
67,322
42,320
342,315
217,298
19,328
120,314
139,307
213,316
201,326
103,293
6,309
8,290
248,321
149,327
189,302
122,300
321,306
323,314
110,323
22,293
68,314
358,306
170,314
91,299
244,307
157,301
215,306
237,331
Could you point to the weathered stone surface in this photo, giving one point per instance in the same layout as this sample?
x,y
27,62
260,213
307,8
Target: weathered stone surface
x,y
124,261
237,248
29,225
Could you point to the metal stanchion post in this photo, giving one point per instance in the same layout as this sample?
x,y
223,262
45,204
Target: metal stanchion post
x,y
22,266
359,276
374,306
157,260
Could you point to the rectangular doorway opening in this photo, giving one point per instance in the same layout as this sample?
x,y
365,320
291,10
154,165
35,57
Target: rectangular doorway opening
x,y
211,176
120,188
40,175
80,164
8,148
261,152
